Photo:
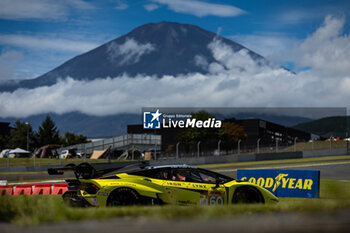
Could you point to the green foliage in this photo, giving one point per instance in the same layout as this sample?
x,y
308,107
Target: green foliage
x,y
73,139
229,133
48,133
4,142
189,137
18,136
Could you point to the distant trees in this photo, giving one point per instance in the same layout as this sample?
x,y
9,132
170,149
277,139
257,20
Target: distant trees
x,y
73,139
229,134
22,135
47,134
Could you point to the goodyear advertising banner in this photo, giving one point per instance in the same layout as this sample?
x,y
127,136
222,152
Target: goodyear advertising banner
x,y
284,183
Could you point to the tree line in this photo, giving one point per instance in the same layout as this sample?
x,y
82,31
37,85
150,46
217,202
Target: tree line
x,y
228,134
23,135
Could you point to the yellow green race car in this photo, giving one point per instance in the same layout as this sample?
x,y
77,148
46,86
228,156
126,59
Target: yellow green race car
x,y
134,184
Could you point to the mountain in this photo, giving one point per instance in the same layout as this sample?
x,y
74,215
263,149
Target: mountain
x,y
79,123
326,127
115,125
156,49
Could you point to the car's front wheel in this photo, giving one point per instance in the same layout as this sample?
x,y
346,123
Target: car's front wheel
x,y
247,194
123,197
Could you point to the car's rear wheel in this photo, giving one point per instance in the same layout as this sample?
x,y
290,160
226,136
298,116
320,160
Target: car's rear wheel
x,y
123,197
247,195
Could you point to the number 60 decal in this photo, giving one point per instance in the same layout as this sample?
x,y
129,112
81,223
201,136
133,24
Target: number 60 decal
x,y
216,200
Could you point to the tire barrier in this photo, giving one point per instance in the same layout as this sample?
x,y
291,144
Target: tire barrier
x,y
33,189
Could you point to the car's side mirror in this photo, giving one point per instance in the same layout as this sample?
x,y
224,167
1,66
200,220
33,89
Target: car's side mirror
x,y
218,182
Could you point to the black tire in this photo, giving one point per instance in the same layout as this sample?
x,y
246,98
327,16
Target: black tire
x,y
247,195
123,197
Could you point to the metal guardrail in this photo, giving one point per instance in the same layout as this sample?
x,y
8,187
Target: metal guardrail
x,y
139,141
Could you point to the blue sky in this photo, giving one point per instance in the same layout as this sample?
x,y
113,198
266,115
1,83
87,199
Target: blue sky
x,y
38,35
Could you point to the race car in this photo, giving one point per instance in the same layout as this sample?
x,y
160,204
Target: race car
x,y
141,184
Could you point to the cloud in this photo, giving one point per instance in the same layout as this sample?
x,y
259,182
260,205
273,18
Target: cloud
x,y
233,80
326,51
44,43
201,9
151,7
201,61
40,9
8,61
234,61
297,16
129,52
121,5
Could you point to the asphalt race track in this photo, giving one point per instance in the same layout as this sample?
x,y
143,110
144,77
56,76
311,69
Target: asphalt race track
x,y
333,170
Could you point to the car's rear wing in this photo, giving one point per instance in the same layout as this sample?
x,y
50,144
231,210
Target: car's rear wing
x,y
92,170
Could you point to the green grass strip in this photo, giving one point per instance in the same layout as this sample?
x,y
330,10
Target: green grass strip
x,y
32,210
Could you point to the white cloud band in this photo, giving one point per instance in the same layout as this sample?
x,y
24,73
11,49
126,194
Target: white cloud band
x,y
201,9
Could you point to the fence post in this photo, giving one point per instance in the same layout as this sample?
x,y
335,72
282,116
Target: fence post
x,y
258,146
155,151
347,143
295,144
219,142
312,144
177,150
330,144
198,144
239,146
276,144
84,152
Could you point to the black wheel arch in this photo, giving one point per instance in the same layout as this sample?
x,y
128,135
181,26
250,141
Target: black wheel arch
x,y
121,190
247,194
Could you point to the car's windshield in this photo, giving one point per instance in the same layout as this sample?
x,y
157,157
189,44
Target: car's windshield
x,y
196,175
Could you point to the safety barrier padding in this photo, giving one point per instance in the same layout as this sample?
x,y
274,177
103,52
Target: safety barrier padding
x,y
23,190
6,190
59,189
42,189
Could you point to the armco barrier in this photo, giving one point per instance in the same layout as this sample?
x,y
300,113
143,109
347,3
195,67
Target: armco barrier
x,y
23,190
42,189
59,189
6,190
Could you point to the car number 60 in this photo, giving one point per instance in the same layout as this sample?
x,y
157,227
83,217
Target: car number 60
x,y
216,200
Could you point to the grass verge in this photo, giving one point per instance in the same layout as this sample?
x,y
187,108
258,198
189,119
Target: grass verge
x,y
32,210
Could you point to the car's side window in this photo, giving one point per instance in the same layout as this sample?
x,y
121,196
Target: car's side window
x,y
162,174
207,178
190,175
179,175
